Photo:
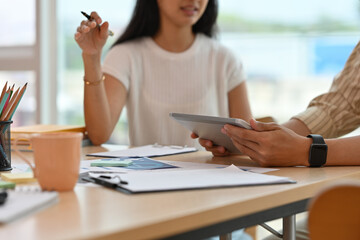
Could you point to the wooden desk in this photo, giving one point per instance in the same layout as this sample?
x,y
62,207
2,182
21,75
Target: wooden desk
x,y
99,213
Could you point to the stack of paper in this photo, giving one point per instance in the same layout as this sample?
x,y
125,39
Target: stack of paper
x,y
23,132
22,203
24,177
47,128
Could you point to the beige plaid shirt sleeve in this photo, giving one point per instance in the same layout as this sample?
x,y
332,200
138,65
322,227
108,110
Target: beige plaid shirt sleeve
x,y
337,112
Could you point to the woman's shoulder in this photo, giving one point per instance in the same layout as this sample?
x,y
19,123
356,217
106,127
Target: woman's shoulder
x,y
215,46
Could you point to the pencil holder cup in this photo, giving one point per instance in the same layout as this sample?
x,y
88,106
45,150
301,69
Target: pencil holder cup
x,y
5,146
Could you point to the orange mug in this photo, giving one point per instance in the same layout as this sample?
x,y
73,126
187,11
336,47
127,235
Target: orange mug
x,y
57,159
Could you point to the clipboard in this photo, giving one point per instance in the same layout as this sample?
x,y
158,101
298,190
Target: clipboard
x,y
209,127
160,181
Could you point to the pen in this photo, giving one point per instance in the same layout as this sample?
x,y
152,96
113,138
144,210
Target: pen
x,y
90,19
110,177
107,183
3,196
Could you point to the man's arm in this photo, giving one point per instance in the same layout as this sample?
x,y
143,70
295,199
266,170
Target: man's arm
x,y
270,144
343,151
297,126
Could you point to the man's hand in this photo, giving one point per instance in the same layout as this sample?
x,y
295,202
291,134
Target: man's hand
x,y
270,144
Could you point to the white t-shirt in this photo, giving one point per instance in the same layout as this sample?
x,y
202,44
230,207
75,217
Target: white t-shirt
x,y
158,82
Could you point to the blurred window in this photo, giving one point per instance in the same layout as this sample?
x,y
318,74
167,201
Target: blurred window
x,y
18,59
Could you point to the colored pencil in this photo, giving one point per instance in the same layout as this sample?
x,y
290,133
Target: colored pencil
x,y
16,103
8,92
3,91
9,106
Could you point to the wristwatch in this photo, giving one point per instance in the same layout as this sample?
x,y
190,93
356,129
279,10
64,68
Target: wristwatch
x,y
318,151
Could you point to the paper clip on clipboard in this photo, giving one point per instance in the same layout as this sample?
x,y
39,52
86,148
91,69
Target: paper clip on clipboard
x,y
103,180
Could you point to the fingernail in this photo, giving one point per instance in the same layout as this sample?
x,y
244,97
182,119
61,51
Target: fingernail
x,y
223,131
208,144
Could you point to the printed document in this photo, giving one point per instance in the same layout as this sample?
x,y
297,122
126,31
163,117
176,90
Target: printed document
x,y
154,150
153,181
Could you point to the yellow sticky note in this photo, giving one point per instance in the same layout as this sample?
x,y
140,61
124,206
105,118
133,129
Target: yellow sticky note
x,y
18,177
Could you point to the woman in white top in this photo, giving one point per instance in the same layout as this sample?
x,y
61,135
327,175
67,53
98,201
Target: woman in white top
x,y
165,61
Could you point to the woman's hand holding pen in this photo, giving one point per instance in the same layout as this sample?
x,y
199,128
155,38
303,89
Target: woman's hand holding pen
x,y
91,36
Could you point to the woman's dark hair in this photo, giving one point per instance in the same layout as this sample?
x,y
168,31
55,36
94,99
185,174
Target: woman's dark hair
x,y
145,21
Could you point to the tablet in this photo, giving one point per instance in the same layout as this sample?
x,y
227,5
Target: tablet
x,y
209,127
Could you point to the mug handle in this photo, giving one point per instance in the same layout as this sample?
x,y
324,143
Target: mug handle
x,y
21,155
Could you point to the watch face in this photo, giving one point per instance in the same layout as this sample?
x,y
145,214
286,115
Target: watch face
x,y
318,154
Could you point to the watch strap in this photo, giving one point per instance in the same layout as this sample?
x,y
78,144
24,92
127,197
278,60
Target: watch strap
x,y
318,151
318,139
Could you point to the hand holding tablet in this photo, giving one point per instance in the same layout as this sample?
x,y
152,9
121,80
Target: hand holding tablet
x,y
208,127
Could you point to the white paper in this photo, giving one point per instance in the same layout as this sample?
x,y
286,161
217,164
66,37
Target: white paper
x,y
21,203
150,181
194,165
146,151
20,168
